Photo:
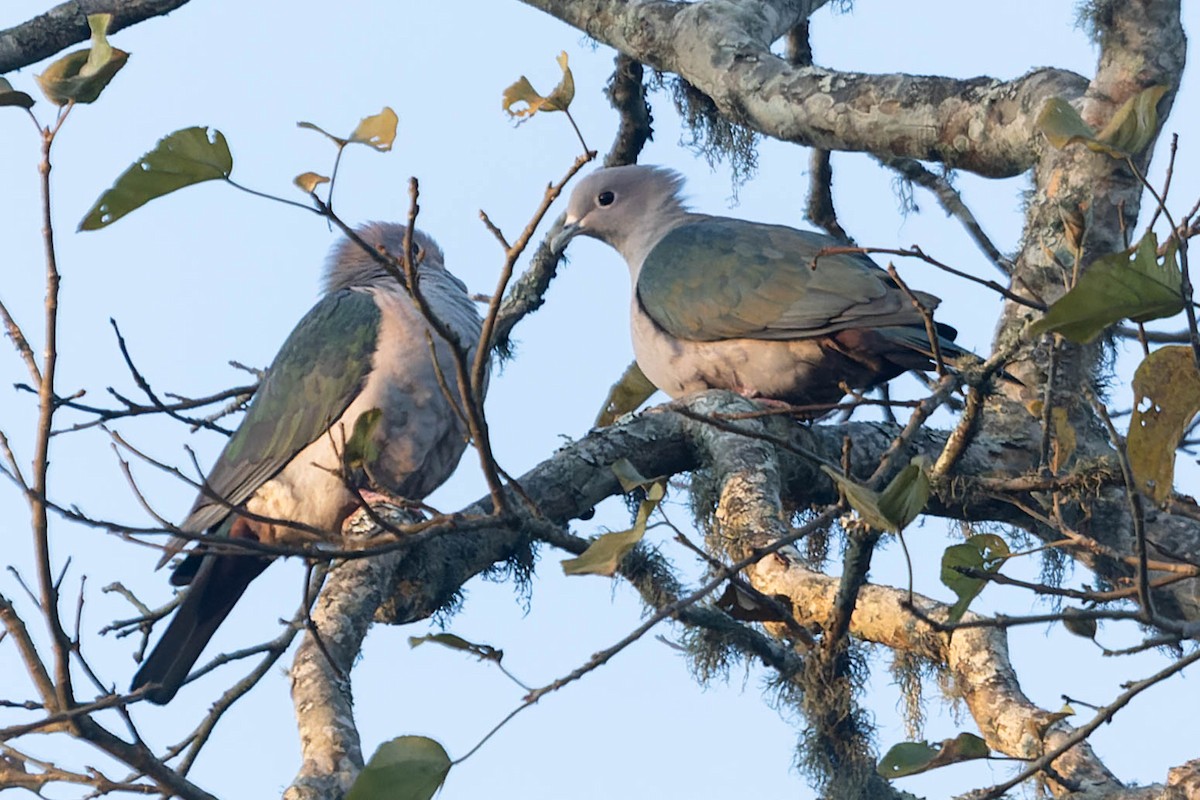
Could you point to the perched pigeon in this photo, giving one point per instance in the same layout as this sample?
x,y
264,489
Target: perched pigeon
x,y
364,346
722,303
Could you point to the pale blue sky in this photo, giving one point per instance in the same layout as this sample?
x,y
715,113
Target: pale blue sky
x,y
210,274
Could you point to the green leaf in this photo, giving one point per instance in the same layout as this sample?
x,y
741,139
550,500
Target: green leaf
x,y
81,76
604,555
522,91
897,505
906,758
630,391
482,651
1115,287
911,758
984,552
406,768
180,159
361,447
1166,395
1077,624
11,97
1062,125
905,497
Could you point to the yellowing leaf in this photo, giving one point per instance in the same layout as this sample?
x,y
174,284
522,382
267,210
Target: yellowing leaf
x,y
1130,129
377,131
629,392
984,552
179,159
482,651
628,475
1115,287
1166,389
1135,122
604,555
81,76
308,181
896,506
522,91
406,768
310,126
1064,438
11,97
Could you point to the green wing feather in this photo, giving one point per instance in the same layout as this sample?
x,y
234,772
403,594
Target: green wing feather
x,y
721,278
319,370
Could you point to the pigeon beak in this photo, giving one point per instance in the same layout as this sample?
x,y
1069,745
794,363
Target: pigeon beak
x,y
560,237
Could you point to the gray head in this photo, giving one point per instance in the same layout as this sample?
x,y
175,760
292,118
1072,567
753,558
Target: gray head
x,y
349,265
629,208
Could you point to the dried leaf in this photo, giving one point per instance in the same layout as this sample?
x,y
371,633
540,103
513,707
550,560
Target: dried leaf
x,y
522,91
604,555
309,181
633,389
1166,388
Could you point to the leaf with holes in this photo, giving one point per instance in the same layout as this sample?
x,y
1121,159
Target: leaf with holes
x,y
1131,283
522,91
912,758
1166,389
183,158
983,552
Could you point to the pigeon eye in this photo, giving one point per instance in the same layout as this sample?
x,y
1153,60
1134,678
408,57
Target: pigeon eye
x,y
605,198
417,253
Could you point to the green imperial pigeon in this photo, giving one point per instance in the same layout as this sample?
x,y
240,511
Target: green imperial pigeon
x,y
364,346
722,303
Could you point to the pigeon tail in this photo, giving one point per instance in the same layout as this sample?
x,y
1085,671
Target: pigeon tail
x,y
217,586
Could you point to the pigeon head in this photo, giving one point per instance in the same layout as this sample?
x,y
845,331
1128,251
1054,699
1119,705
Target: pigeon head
x,y
350,265
629,208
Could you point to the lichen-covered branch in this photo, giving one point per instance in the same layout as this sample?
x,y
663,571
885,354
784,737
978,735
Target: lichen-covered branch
x,y
66,24
722,49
